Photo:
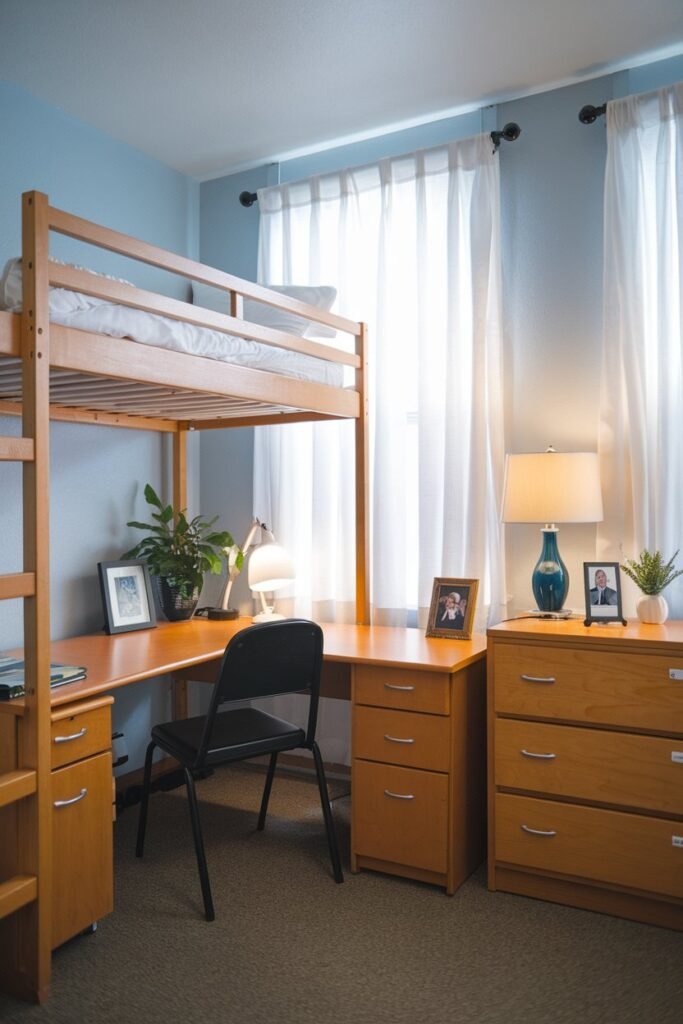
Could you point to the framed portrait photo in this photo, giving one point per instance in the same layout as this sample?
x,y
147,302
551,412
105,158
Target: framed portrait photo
x,y
602,586
451,613
126,596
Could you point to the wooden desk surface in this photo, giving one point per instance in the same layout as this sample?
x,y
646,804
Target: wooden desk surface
x,y
113,661
633,636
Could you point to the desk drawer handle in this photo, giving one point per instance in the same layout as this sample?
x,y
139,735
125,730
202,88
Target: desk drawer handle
x,y
73,800
399,796
396,739
540,757
395,686
538,831
73,736
538,679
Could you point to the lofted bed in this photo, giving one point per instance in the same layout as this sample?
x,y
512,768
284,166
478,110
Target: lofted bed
x,y
51,370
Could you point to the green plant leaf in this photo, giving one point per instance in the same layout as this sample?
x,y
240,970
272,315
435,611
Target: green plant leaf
x,y
151,496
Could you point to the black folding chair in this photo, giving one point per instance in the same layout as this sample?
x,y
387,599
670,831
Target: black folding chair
x,y
260,661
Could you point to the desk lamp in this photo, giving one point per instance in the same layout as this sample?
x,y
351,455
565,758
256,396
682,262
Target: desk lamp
x,y
552,487
270,568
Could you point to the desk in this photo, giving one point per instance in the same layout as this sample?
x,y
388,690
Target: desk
x,y
397,679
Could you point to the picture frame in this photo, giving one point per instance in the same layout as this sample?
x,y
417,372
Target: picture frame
x,y
451,612
602,588
127,598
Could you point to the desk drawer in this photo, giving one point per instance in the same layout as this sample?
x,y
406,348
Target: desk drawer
x,y
400,815
81,733
406,689
606,846
401,737
591,764
632,690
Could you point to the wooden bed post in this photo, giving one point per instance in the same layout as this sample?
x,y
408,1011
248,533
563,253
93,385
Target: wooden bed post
x,y
362,486
180,709
33,922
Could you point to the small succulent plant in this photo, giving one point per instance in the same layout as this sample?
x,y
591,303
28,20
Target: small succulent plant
x,y
650,572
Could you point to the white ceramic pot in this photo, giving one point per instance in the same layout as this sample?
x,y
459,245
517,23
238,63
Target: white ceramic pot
x,y
652,608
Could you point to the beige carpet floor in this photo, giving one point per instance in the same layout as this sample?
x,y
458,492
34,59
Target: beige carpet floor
x,y
290,946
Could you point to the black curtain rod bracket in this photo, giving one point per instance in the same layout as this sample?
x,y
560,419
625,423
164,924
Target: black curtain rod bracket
x,y
510,132
248,198
589,114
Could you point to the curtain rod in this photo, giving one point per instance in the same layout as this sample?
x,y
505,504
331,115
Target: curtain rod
x,y
589,114
509,133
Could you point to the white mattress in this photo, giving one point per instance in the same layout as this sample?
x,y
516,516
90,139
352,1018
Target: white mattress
x,y
87,313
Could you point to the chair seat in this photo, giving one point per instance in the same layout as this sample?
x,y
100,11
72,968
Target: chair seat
x,y
237,734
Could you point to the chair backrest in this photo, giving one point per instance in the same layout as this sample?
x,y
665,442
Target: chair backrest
x,y
265,660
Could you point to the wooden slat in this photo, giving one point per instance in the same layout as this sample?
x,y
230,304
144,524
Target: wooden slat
x,y
17,584
100,355
114,241
16,785
137,298
16,449
10,334
16,893
98,417
261,419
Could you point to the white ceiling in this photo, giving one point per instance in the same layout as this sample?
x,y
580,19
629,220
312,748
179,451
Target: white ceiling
x,y
215,85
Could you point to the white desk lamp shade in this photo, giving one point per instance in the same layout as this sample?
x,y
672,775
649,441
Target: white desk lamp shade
x,y
552,487
270,568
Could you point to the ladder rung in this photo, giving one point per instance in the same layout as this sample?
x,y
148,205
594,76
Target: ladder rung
x,y
17,584
16,449
16,785
16,893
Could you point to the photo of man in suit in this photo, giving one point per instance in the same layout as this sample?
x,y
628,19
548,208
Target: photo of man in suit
x,y
601,593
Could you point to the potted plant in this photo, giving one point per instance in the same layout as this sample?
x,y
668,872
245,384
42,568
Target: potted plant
x,y
651,574
178,552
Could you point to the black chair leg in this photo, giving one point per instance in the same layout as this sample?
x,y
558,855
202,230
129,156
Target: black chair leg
x,y
199,846
327,814
144,800
266,792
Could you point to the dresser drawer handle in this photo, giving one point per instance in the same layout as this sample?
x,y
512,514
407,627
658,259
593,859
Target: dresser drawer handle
x,y
395,686
538,831
538,679
396,739
540,757
74,799
73,736
399,796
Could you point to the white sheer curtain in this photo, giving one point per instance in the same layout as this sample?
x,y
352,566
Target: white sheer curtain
x,y
641,422
412,246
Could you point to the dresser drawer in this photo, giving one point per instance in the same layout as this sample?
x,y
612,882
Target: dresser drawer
x,y
590,764
400,815
80,733
605,846
401,737
632,690
402,688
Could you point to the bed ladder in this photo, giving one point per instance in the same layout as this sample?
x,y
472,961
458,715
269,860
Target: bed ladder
x,y
25,783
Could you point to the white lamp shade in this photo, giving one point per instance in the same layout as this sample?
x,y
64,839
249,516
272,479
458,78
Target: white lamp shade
x,y
552,487
270,568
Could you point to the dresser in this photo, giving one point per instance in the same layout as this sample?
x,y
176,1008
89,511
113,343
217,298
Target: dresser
x,y
585,766
419,767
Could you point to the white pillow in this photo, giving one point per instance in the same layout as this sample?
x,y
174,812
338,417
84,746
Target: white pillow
x,y
268,316
61,299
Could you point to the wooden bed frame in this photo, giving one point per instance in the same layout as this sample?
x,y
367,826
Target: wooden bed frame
x,y
60,373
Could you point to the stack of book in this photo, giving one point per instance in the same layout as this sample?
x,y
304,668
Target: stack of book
x,y
12,676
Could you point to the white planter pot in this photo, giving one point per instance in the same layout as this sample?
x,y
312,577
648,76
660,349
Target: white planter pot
x,y
652,608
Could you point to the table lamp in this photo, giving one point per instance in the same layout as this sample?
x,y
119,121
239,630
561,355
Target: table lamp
x,y
270,568
552,487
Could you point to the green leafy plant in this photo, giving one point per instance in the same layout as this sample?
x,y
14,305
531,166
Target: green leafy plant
x,y
651,573
181,549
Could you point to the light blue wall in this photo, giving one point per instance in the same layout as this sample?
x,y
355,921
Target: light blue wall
x,y
552,204
96,472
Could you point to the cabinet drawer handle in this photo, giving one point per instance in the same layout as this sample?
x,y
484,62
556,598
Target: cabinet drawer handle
x,y
73,800
399,796
395,739
73,736
538,831
540,757
538,679
395,686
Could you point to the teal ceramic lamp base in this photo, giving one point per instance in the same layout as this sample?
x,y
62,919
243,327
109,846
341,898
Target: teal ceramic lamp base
x,y
550,579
